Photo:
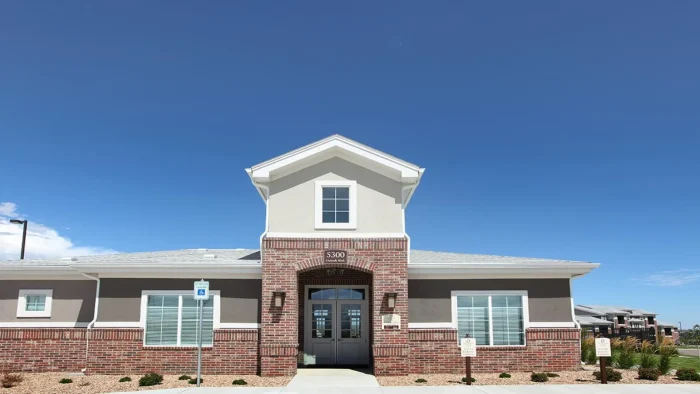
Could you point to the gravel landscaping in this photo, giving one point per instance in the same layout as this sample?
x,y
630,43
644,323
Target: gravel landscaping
x,y
572,377
46,383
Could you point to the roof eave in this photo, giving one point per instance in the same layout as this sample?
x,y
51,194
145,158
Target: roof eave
x,y
480,271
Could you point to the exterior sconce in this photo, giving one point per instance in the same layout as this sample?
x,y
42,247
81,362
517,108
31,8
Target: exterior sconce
x,y
391,300
278,295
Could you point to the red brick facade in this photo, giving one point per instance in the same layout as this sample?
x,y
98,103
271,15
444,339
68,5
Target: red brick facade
x,y
436,351
277,347
284,260
121,351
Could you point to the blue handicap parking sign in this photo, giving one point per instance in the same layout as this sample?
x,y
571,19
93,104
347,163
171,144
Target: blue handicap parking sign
x,y
200,292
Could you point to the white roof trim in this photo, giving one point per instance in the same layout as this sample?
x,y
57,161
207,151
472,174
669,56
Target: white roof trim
x,y
405,172
491,270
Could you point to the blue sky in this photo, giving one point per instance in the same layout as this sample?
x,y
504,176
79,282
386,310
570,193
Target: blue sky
x,y
548,129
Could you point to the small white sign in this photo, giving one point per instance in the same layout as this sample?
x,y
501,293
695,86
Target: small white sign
x,y
391,320
468,346
602,347
201,290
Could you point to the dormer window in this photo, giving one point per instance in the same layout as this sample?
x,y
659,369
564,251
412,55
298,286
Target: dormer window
x,y
336,205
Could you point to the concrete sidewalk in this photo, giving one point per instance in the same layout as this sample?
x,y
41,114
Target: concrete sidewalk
x,y
533,389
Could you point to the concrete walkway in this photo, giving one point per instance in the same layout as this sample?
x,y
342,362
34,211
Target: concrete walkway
x,y
534,389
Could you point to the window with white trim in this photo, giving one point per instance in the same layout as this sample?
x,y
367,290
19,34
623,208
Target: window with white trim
x,y
497,319
336,205
34,303
171,319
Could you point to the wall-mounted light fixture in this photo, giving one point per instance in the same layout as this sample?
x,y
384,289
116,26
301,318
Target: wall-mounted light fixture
x,y
391,300
278,295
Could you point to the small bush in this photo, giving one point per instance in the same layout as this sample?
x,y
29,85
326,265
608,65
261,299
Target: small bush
x,y
151,379
552,375
613,375
84,384
588,351
125,379
11,380
421,380
464,379
184,377
194,381
667,348
539,377
647,361
649,373
65,381
664,364
239,382
504,375
625,360
688,374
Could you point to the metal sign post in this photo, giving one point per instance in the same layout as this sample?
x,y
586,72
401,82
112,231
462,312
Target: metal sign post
x,y
201,294
468,350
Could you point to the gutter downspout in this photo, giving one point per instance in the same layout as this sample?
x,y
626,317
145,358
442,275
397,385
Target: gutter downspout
x,y
267,213
94,318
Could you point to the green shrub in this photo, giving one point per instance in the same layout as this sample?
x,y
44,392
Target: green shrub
x,y
239,382
552,375
421,380
664,364
125,379
184,377
539,377
464,379
667,349
151,379
504,375
649,373
688,374
588,351
647,361
11,379
65,380
613,375
625,360
194,381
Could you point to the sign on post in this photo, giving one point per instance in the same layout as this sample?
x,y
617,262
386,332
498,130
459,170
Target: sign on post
x,y
602,347
201,290
468,347
201,294
602,350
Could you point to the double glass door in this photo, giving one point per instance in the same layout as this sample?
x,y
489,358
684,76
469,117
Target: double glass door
x,y
336,327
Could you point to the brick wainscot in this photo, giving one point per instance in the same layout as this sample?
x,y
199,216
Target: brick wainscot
x,y
121,351
436,351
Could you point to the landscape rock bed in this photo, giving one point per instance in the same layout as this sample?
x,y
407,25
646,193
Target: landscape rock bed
x,y
47,383
570,377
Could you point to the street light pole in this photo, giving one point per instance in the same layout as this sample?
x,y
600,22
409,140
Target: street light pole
x,y
24,234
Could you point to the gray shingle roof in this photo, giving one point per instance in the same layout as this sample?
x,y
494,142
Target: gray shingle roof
x,y
430,257
184,256
590,321
239,256
614,310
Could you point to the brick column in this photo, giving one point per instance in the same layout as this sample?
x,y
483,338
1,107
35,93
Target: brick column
x,y
278,330
284,258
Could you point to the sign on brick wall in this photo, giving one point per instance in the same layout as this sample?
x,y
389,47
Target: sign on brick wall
x,y
335,256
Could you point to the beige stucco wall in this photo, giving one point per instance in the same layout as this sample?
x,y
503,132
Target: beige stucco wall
x,y
73,300
292,207
120,299
429,301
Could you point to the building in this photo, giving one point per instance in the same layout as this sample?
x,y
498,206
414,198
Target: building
x,y
616,320
668,330
335,282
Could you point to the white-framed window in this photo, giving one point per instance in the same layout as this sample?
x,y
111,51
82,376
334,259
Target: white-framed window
x,y
494,318
336,205
34,303
170,318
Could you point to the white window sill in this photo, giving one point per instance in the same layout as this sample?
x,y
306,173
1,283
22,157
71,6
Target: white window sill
x,y
335,226
33,314
179,346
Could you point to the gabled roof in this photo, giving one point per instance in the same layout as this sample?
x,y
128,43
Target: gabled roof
x,y
233,262
336,146
615,310
602,310
592,321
